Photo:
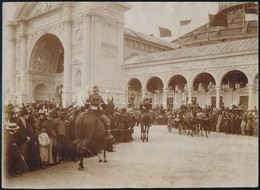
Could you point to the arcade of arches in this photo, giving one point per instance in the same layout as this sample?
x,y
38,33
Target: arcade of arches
x,y
233,90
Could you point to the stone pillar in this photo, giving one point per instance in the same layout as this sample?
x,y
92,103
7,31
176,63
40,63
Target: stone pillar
x,y
250,96
217,96
86,52
189,95
66,96
11,94
23,93
165,90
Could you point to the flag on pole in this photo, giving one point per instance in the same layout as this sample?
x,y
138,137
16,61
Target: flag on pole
x,y
164,32
185,22
217,20
251,17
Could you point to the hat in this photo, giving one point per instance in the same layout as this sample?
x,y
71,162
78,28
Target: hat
x,y
95,87
12,126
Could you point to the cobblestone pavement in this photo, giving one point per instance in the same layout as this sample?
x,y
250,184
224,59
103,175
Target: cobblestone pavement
x,y
167,160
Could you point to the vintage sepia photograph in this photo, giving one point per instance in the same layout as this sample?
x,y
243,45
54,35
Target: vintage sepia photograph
x,y
130,95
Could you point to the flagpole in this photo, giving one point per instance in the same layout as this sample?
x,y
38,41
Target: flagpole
x,y
243,18
179,32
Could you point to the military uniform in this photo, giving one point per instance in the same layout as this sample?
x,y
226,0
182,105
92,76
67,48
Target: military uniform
x,y
97,105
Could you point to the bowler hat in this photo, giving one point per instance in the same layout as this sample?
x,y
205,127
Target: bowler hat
x,y
95,87
12,126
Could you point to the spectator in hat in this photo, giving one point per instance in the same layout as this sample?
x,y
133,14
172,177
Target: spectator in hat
x,y
44,142
60,132
50,126
14,163
23,133
34,160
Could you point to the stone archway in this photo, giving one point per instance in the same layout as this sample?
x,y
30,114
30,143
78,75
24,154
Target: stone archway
x,y
134,88
177,85
155,89
47,64
204,90
234,88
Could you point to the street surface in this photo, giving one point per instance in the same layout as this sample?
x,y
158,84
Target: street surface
x,y
167,160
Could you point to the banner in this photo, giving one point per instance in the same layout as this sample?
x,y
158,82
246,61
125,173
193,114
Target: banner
x,y
164,32
185,22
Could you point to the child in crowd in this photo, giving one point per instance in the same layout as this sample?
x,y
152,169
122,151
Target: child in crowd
x,y
44,142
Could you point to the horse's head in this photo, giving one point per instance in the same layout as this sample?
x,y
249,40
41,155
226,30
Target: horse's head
x,y
110,108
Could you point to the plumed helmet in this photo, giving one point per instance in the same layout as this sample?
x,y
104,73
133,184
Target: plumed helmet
x,y
95,87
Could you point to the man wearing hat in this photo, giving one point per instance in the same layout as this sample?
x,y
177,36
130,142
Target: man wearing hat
x,y
96,105
13,162
61,136
23,133
50,126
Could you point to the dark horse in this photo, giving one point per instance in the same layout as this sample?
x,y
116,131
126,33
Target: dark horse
x,y
90,133
145,120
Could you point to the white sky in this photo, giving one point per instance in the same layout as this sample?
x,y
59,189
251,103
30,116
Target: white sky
x,y
146,17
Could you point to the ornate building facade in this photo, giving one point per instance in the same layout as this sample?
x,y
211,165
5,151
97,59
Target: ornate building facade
x,y
82,44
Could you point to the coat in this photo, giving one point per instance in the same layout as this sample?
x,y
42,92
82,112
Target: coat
x,y
22,133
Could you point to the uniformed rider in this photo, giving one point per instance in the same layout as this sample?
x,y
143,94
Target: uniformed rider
x,y
97,105
145,105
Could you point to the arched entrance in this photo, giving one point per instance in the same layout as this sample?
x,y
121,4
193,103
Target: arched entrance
x,y
155,89
234,88
177,86
134,93
204,90
46,66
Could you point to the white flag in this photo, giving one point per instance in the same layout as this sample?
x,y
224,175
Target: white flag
x,y
251,17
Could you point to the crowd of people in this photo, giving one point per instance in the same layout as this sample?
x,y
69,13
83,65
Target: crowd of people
x,y
41,135
35,133
34,136
235,120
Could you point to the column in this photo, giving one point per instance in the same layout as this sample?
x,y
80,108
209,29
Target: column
x,y
86,52
11,93
23,93
250,97
189,94
217,96
66,96
165,90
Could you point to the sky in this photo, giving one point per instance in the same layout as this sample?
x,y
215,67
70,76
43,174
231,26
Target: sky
x,y
146,17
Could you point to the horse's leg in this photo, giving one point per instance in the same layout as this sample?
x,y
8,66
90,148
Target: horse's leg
x,y
147,132
179,128
141,127
144,133
105,148
81,156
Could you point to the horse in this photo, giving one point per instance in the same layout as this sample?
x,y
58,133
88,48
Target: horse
x,y
188,123
205,123
90,133
145,120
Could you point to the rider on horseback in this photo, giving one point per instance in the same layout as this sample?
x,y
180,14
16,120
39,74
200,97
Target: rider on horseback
x,y
145,105
97,105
